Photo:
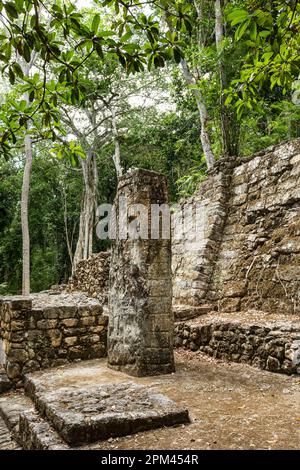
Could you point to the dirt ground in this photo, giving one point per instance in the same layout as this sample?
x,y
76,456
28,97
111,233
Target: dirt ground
x,y
232,406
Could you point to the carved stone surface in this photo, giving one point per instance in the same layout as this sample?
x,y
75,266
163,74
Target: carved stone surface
x,y
86,402
108,410
140,338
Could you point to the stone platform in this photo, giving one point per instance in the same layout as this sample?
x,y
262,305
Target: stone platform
x,y
78,404
189,312
266,341
48,330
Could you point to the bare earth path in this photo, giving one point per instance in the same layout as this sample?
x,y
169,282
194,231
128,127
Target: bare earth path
x,y
232,406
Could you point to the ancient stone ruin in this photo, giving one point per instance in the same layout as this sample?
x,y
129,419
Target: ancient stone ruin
x,y
140,335
53,328
91,276
50,330
236,298
269,342
249,253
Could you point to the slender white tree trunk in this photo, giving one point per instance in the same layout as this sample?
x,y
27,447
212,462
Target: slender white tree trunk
x,y
203,115
89,221
84,247
202,109
219,33
198,7
68,242
78,256
81,241
117,154
219,24
229,138
25,197
24,216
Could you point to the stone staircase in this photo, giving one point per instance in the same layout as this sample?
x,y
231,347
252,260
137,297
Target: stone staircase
x,y
25,428
11,406
189,312
62,416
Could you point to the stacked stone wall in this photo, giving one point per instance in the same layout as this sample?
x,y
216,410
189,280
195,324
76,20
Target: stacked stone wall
x,y
91,276
38,333
273,346
193,257
250,254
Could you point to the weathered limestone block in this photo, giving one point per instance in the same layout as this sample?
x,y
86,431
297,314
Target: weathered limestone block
x,y
140,338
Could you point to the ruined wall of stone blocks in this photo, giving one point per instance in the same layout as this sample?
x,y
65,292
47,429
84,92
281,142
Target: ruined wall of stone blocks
x,y
248,253
259,261
273,345
140,337
254,262
91,276
44,331
195,252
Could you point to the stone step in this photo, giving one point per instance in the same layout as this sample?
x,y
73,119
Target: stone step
x,y
258,340
11,406
6,440
189,312
96,412
25,426
36,434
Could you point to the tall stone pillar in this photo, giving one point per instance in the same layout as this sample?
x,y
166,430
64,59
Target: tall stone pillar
x,y
140,337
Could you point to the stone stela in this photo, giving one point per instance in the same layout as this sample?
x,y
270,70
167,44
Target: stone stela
x,y
140,338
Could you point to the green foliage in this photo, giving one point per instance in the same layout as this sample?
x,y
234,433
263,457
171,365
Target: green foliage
x,y
166,142
276,121
188,184
85,61
271,33
70,150
49,259
48,35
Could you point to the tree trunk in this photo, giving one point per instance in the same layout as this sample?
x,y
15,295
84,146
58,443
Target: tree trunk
x,y
78,256
25,197
24,216
202,109
219,24
117,154
229,134
204,136
84,247
88,220
68,242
